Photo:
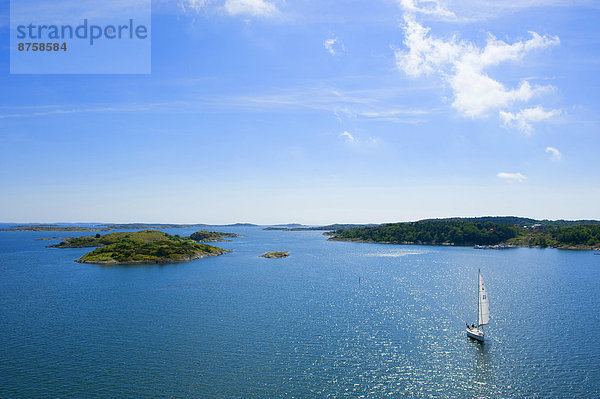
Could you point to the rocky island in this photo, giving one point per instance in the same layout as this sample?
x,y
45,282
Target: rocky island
x,y
276,254
212,236
142,247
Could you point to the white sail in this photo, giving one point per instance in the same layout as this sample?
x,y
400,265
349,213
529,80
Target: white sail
x,y
484,303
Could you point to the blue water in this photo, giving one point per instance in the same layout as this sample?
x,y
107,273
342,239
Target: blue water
x,y
242,326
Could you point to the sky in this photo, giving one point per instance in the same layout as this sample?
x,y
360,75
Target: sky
x,y
316,112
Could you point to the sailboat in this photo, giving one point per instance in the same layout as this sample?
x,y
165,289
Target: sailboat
x,y
483,311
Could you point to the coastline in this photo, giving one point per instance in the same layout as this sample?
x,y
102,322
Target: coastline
x,y
57,228
451,244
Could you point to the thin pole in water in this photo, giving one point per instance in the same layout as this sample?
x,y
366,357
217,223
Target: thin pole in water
x,y
478,305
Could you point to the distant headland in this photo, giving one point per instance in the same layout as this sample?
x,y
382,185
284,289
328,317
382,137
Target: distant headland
x,y
48,227
110,227
486,232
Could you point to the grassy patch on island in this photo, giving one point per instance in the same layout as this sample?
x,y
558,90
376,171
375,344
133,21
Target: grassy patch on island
x,y
148,246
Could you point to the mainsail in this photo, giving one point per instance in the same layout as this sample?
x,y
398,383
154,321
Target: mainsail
x,y
484,303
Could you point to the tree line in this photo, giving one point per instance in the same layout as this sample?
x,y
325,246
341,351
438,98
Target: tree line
x,y
473,232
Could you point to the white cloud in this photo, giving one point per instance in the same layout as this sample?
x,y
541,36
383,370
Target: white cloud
x,y
348,137
259,8
512,177
476,93
554,153
463,65
523,119
425,54
334,46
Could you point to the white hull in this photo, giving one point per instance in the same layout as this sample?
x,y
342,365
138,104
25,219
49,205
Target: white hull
x,y
475,333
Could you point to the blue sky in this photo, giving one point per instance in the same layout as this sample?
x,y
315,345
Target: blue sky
x,y
317,112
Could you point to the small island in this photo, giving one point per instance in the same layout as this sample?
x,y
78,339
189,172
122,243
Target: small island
x,y
276,254
142,247
212,236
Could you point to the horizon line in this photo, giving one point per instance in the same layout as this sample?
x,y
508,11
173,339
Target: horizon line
x,y
298,223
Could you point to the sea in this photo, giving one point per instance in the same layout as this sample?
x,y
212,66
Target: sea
x,y
333,320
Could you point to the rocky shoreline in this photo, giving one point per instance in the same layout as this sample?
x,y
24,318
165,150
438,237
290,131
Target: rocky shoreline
x,y
151,261
450,244
276,254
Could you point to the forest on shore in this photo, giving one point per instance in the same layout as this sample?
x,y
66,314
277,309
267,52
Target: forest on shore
x,y
479,231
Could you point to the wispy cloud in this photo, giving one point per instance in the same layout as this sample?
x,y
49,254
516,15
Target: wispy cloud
x,y
368,104
55,110
554,153
427,7
477,10
371,141
380,104
348,137
512,177
252,8
195,5
257,8
464,66
523,119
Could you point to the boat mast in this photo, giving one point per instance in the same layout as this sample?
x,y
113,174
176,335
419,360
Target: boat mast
x,y
478,304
